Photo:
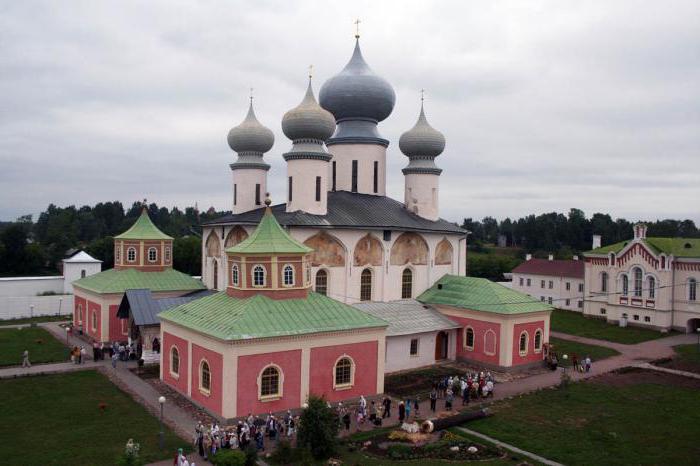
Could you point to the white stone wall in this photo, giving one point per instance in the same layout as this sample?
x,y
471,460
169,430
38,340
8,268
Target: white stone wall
x,y
421,195
245,180
73,271
558,292
30,286
304,173
366,155
398,350
16,307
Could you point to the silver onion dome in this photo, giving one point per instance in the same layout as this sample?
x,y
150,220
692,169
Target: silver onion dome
x,y
422,139
251,135
308,120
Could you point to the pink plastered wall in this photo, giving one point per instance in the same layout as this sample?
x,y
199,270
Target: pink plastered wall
x,y
178,382
96,309
213,399
322,370
530,356
80,305
249,369
117,325
480,328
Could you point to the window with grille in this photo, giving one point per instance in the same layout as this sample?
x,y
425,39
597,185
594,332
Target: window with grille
x,y
469,338
258,275
638,282
343,372
551,284
152,254
568,286
270,382
322,282
541,283
131,254
523,343
538,340
174,361
288,275
652,287
692,289
580,287
167,254
406,284
625,285
354,176
234,274
366,285
94,321
414,347
604,282
205,377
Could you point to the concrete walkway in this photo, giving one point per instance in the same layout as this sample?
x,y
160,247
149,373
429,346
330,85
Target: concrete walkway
x,y
509,447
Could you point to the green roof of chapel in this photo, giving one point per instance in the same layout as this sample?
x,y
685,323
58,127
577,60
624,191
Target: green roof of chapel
x,y
269,238
143,228
679,247
480,294
118,281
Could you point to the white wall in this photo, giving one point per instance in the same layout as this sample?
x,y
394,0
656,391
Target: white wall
x,y
398,349
30,286
18,307
72,271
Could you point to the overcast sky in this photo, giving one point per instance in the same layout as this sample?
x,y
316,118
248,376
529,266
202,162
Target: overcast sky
x,y
545,105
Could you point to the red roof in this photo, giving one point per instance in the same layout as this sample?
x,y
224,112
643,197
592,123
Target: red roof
x,y
554,268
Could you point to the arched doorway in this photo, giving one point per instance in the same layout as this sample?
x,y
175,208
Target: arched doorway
x,y
441,346
693,326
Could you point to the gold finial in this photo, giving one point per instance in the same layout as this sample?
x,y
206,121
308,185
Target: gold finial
x,y
422,95
268,201
357,28
251,95
144,205
311,71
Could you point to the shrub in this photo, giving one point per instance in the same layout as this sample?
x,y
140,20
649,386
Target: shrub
x,y
228,458
399,452
284,452
251,455
318,428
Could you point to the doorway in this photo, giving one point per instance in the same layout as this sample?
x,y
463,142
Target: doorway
x,y
441,346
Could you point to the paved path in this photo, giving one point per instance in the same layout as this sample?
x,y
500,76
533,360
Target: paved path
x,y
652,367
512,448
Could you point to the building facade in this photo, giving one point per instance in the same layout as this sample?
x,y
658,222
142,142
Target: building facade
x,y
559,283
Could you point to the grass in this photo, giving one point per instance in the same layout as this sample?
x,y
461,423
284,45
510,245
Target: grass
x,y
574,323
596,353
687,358
593,423
42,346
35,320
56,420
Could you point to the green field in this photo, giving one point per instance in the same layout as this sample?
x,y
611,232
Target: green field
x,y
574,323
687,358
633,418
57,420
42,346
33,320
582,350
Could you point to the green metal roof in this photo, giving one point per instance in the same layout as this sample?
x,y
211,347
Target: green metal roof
x,y
480,294
228,318
143,229
118,281
269,238
679,247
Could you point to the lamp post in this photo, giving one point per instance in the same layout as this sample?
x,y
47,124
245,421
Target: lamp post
x,y
565,357
161,436
698,330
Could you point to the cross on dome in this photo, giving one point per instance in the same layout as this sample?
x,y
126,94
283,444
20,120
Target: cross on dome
x,y
357,28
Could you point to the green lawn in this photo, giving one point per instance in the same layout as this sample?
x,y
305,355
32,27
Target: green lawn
x,y
30,320
574,323
42,346
56,420
582,350
687,358
636,421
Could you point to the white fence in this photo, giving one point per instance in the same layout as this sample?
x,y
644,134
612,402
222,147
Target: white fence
x,y
30,286
15,307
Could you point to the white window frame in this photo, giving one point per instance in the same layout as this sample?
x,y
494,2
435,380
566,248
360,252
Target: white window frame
x,y
93,320
202,389
327,273
466,345
534,341
235,275
349,385
280,384
524,352
495,344
651,292
410,347
167,254
153,250
264,275
80,314
286,267
174,374
129,252
692,289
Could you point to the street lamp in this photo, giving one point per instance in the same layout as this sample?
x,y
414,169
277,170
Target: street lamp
x,y
161,437
565,357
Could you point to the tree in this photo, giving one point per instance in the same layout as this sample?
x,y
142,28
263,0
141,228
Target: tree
x,y
318,428
187,255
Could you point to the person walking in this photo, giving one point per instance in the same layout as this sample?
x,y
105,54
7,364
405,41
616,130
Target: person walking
x,y
402,412
433,398
25,359
416,406
587,362
83,353
449,397
115,358
387,407
408,408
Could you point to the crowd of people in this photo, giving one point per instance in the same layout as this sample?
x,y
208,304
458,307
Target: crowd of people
x,y
467,387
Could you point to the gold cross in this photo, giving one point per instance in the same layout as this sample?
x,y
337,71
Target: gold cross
x,y
311,71
251,95
357,28
422,95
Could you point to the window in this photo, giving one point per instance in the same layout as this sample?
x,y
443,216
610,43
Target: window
x,y
414,347
343,372
542,284
318,189
579,304
204,377
638,282
538,341
354,176
80,313
234,274
604,282
119,253
322,282
652,287
568,286
131,254
625,285
257,194
523,344
542,298
235,194
152,254
258,275
635,317
692,289
580,287
288,275
174,361
568,302
167,254
603,311
366,285
647,319
551,284
549,300
469,338
308,273
82,273
521,281
270,382
529,282
289,189
386,234
93,321
333,176
376,177
406,284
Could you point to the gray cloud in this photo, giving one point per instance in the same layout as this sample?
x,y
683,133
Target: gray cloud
x,y
546,105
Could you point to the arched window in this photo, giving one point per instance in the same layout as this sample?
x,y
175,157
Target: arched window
x,y
258,275
523,344
604,282
308,272
652,287
83,273
80,313
322,282
366,285
167,254
174,361
234,275
692,289
638,282
343,372
288,273
270,382
204,377
131,254
118,253
490,341
93,319
538,341
152,254
406,284
625,285
469,338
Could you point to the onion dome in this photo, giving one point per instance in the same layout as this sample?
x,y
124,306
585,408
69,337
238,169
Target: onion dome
x,y
308,120
358,99
421,144
250,135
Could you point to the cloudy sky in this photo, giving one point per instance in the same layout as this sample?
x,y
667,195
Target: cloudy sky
x,y
545,105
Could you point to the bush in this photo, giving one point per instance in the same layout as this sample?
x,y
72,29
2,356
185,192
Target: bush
x,y
318,428
284,452
399,452
251,455
228,458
